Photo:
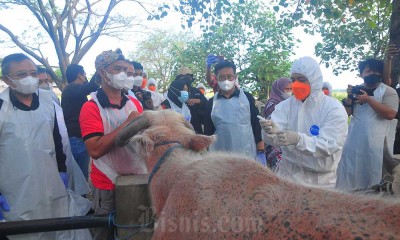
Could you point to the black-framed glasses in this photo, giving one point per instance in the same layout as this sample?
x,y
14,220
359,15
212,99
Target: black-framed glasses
x,y
226,77
21,75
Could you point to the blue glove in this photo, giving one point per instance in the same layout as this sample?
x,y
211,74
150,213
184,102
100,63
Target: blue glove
x,y
211,59
3,206
64,178
261,158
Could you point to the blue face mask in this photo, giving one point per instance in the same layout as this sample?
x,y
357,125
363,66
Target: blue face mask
x,y
184,96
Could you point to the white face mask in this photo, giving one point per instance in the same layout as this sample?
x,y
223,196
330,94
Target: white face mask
x,y
138,80
45,86
26,85
129,83
117,81
286,95
226,85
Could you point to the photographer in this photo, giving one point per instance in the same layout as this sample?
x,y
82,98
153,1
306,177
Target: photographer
x,y
372,107
142,95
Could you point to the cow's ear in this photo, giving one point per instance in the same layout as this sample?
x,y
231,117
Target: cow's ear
x,y
200,142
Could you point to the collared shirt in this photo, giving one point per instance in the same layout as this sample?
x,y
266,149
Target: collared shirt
x,y
90,119
60,155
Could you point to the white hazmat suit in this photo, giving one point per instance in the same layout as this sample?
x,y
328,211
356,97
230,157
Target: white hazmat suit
x,y
321,123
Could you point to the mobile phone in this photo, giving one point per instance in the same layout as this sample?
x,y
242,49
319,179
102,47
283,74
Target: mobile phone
x,y
259,117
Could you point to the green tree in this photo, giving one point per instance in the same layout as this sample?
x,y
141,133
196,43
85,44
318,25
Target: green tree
x,y
159,54
351,30
72,26
249,34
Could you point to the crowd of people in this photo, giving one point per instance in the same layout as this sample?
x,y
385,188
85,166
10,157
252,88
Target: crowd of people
x,y
50,149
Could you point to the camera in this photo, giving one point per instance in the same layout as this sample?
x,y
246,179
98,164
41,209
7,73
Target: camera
x,y
146,95
356,90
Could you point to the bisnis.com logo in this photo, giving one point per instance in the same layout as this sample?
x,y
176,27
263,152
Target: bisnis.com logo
x,y
195,223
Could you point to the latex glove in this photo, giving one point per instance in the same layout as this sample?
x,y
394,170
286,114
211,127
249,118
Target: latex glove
x,y
268,126
3,206
211,59
64,178
261,158
286,138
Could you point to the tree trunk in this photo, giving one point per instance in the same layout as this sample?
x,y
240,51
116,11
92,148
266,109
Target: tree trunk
x,y
394,31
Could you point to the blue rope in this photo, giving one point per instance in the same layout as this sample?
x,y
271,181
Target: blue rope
x,y
161,161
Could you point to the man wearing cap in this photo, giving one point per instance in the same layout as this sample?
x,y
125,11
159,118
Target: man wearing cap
x,y
73,97
101,119
197,102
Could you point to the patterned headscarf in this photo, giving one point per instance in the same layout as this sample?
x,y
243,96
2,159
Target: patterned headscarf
x,y
108,57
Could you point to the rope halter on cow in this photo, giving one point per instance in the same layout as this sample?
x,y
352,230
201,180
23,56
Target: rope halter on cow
x,y
163,157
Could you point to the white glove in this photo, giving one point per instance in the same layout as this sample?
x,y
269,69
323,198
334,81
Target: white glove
x,y
268,126
286,138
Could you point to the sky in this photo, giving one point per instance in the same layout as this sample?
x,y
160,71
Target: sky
x,y
20,22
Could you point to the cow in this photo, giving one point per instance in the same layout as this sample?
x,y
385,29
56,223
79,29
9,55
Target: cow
x,y
201,195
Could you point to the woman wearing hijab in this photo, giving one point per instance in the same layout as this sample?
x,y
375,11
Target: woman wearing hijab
x,y
281,90
177,96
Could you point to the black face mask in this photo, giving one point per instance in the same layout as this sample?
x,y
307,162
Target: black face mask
x,y
372,79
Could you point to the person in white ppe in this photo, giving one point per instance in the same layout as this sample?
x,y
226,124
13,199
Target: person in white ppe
x,y
310,128
155,95
372,107
327,88
33,176
232,116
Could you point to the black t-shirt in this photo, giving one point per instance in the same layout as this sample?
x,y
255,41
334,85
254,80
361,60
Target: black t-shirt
x,y
72,99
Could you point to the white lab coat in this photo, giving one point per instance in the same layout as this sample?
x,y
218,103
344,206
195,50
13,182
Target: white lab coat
x,y
321,122
362,159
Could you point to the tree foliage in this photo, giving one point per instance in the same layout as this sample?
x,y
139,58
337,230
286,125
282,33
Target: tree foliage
x,y
351,30
159,54
250,35
72,26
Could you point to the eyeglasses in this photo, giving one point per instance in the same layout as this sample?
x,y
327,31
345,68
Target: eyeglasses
x,y
135,74
226,77
21,75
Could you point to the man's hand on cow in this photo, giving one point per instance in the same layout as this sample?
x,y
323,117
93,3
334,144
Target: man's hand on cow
x,y
132,116
193,101
3,206
268,126
286,138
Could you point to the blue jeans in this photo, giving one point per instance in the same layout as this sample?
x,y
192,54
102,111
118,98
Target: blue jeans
x,y
80,154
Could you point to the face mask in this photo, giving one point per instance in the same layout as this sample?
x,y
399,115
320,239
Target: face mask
x,y
326,91
301,90
26,85
226,85
372,79
138,81
152,88
45,86
202,91
286,95
184,96
144,83
129,83
117,81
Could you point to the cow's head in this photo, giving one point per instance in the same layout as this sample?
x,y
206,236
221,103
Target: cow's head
x,y
154,128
